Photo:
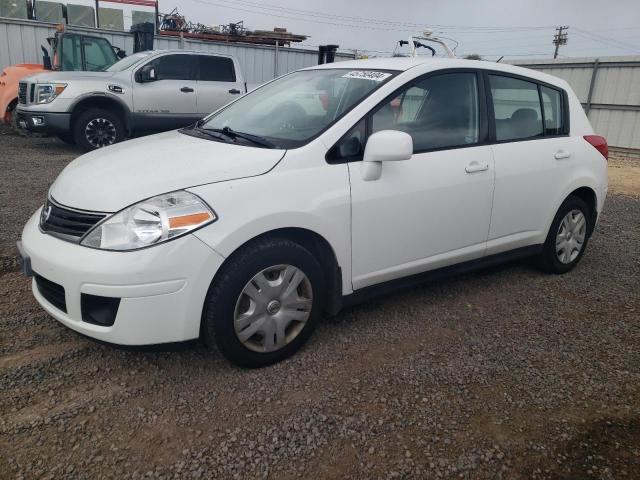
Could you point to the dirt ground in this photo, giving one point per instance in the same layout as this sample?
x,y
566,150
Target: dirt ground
x,y
503,373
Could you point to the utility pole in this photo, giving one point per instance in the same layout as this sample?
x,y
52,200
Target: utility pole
x,y
560,38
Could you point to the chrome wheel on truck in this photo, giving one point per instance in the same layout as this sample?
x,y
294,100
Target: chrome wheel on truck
x,y
100,132
96,128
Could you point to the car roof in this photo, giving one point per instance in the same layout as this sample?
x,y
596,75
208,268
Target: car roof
x,y
439,63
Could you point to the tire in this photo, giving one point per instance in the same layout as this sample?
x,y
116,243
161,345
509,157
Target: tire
x,y
97,128
272,259
67,137
557,255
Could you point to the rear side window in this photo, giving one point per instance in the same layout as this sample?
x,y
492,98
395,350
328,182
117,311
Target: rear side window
x,y
216,69
516,105
552,104
174,67
438,112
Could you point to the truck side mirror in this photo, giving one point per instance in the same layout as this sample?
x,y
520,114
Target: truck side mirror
x,y
121,53
148,73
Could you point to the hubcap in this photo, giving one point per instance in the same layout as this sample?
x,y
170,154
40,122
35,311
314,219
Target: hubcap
x,y
273,308
570,238
100,132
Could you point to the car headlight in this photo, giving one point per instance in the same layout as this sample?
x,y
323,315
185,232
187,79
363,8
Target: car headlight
x,y
46,92
151,222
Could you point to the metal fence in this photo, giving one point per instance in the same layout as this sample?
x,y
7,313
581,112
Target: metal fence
x,y
609,89
20,42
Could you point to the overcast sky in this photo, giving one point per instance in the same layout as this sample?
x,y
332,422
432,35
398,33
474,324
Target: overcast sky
x,y
514,28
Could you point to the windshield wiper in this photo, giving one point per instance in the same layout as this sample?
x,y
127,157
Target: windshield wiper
x,y
257,140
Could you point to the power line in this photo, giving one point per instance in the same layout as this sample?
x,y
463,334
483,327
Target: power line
x,y
609,40
388,23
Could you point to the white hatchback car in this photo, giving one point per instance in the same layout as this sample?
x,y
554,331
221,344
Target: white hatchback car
x,y
316,190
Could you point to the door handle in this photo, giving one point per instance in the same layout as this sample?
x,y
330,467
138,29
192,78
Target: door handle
x,y
186,89
560,154
474,166
234,91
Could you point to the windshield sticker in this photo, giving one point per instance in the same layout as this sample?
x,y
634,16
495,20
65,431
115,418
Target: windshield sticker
x,y
367,75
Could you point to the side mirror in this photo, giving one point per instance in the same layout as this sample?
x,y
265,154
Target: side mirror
x,y
385,146
148,73
121,53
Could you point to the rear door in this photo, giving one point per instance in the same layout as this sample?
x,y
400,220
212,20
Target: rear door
x,y
218,82
170,100
533,155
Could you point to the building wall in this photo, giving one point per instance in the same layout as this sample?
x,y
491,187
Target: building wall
x,y
609,89
20,42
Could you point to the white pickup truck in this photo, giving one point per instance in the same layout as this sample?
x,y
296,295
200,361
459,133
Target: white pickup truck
x,y
147,91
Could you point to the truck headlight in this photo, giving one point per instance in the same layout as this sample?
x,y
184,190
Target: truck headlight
x,y
151,222
46,92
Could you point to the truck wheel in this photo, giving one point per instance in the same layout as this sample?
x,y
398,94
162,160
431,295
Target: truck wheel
x,y
97,128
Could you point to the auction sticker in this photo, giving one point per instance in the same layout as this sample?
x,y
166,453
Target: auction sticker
x,y
367,75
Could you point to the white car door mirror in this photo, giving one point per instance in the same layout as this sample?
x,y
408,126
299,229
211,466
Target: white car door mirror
x,y
385,146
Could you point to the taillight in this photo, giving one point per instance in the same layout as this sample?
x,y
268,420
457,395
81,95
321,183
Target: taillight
x,y
599,143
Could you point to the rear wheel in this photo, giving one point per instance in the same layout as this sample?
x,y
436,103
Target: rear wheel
x,y
97,128
567,239
264,304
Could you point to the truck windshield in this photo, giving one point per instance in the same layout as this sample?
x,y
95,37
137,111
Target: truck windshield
x,y
297,107
126,62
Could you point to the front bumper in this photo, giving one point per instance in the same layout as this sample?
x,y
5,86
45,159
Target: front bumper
x,y
43,122
162,289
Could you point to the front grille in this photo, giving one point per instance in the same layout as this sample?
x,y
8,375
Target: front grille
x,y
65,222
52,292
22,93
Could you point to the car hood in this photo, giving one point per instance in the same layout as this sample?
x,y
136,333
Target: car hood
x,y
67,76
112,178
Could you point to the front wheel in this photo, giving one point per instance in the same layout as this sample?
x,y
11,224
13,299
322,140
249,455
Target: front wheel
x,y
97,128
567,239
264,304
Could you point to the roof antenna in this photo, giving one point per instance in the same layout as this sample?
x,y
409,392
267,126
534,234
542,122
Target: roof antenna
x,y
498,61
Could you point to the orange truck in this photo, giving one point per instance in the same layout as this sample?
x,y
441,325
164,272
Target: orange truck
x,y
69,51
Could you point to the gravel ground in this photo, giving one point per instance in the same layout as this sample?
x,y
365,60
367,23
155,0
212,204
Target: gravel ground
x,y
504,373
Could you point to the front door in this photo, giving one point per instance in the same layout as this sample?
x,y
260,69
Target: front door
x,y
434,209
170,100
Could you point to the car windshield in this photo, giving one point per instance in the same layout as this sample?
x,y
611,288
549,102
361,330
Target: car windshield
x,y
126,62
297,107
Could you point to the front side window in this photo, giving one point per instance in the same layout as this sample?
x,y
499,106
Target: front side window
x,y
516,106
173,67
438,112
216,69
290,111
